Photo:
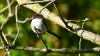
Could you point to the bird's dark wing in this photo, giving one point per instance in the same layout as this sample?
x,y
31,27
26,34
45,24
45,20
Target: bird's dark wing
x,y
50,32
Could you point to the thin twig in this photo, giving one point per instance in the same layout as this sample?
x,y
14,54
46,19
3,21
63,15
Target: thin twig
x,y
80,45
16,25
8,17
76,20
9,9
3,24
46,5
2,10
84,21
66,23
7,53
27,19
3,38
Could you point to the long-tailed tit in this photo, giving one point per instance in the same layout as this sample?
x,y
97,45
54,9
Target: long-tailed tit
x,y
39,26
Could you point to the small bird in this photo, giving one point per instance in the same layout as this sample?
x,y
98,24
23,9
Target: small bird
x,y
37,24
39,27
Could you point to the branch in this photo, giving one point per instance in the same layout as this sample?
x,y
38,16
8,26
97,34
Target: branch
x,y
2,10
3,38
87,35
62,50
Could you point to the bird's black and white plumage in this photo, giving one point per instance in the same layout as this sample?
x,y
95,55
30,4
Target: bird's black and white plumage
x,y
39,26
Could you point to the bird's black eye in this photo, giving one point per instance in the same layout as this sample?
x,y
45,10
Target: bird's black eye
x,y
38,15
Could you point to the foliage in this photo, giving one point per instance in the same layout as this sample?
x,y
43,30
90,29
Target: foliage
x,y
70,9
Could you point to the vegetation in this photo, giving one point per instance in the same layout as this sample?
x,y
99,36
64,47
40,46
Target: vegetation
x,y
70,9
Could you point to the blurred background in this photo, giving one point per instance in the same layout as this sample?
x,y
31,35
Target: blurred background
x,y
70,9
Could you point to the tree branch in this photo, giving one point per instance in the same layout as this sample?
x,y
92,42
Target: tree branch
x,y
87,35
2,10
62,50
3,38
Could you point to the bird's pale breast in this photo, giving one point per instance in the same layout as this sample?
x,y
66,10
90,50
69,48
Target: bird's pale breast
x,y
39,25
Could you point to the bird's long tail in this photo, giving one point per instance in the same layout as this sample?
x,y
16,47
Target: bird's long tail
x,y
53,34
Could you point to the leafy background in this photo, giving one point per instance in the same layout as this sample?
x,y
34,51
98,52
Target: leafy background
x,y
70,9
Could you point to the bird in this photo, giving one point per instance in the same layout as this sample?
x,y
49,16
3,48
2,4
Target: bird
x,y
39,26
